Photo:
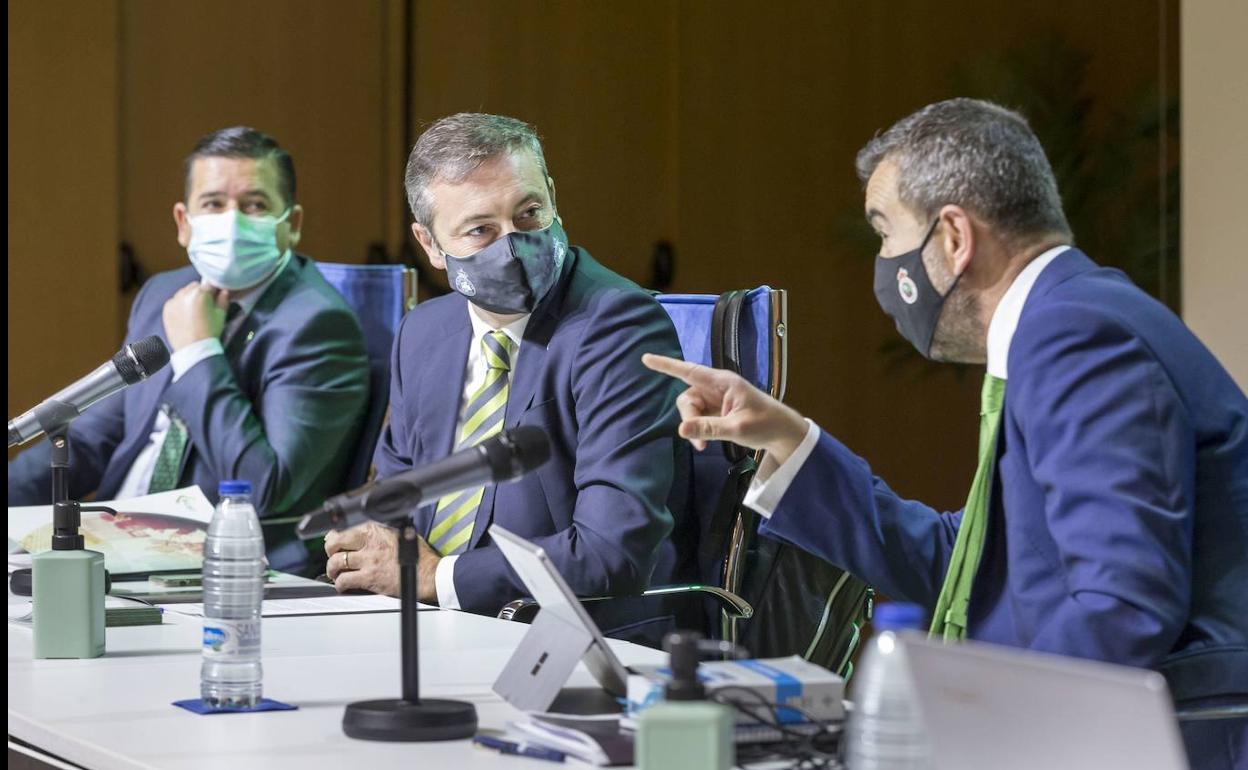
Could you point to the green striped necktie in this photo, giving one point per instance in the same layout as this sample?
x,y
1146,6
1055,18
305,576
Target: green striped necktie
x,y
483,417
169,460
949,619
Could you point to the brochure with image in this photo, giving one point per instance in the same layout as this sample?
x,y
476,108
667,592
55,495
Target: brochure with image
x,y
153,533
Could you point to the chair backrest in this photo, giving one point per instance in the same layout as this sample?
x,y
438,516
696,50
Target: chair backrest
x,y
764,344
801,604
379,295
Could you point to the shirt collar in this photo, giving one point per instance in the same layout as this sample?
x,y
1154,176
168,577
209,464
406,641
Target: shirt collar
x,y
1005,317
513,330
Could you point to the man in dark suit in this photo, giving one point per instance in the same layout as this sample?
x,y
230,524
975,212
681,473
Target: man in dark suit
x,y
536,333
268,379
1109,515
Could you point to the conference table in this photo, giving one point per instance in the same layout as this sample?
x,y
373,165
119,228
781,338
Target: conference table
x,y
115,712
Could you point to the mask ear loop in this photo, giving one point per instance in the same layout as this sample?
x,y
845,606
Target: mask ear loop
x,y
923,246
928,237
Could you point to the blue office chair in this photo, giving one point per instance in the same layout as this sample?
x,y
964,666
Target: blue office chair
x,y
752,326
801,604
379,295
763,342
745,331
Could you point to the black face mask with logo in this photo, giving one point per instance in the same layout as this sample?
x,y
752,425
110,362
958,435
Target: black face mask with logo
x,y
905,292
513,273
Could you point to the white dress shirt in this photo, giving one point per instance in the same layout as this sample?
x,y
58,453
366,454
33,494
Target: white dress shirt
x,y
139,478
770,483
474,378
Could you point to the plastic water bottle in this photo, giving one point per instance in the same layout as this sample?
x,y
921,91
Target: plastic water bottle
x,y
885,731
234,568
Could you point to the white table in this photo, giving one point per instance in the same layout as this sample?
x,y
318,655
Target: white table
x,y
115,712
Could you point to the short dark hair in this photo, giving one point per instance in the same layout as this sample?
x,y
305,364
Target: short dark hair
x,y
974,154
244,142
455,146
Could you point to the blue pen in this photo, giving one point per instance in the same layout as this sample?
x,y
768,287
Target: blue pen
x,y
510,747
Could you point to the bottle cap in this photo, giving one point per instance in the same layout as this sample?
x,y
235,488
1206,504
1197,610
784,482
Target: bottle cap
x,y
896,616
234,487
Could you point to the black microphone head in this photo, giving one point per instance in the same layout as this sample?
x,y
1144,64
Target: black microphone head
x,y
139,360
515,452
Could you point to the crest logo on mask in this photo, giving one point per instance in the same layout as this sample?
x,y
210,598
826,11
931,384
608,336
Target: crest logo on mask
x,y
464,284
906,287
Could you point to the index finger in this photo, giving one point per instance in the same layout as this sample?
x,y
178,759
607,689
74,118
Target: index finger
x,y
347,540
687,372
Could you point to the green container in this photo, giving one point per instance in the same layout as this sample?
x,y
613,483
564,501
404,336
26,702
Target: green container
x,y
685,735
68,593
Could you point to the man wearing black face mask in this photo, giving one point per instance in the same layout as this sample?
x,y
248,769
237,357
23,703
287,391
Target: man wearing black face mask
x,y
539,333
1108,518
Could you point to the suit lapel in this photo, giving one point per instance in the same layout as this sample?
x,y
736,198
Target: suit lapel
x,y
236,339
440,394
528,373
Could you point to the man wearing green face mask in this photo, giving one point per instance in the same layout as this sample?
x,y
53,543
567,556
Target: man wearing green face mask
x,y
268,379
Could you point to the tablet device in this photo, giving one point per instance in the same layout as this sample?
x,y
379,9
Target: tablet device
x,y
985,707
562,635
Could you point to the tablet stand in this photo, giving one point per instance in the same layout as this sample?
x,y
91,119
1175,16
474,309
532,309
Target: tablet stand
x,y
410,718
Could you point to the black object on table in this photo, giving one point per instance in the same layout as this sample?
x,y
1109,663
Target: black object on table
x,y
410,718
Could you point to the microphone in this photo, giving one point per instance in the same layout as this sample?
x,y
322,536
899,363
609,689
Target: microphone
x,y
134,362
507,456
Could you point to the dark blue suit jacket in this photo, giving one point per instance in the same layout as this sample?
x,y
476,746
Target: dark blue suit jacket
x,y
282,408
600,507
1119,521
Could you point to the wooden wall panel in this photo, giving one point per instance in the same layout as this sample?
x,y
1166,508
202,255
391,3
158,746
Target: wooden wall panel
x,y
1215,178
594,78
728,127
63,208
774,102
313,75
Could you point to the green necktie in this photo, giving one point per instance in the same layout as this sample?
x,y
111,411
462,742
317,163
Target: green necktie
x,y
483,417
949,619
169,461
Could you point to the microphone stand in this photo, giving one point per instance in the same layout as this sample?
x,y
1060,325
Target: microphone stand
x,y
66,513
410,718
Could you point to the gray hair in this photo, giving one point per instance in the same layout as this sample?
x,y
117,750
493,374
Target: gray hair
x,y
455,146
974,154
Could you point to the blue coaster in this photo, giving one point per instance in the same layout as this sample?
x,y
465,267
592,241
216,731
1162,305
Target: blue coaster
x,y
198,706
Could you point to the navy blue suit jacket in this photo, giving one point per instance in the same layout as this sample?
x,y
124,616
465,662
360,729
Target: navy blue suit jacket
x,y
600,507
1119,521
282,408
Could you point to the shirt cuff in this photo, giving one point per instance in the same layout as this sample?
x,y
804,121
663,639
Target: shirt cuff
x,y
444,581
182,360
770,483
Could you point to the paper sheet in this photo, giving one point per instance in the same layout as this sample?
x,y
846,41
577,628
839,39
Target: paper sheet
x,y
329,605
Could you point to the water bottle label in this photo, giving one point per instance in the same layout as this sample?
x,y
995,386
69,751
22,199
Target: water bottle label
x,y
227,638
